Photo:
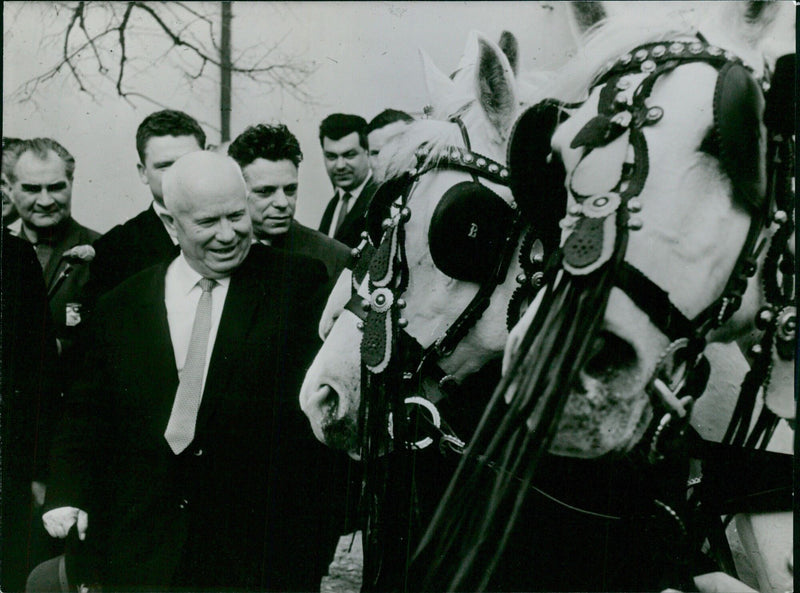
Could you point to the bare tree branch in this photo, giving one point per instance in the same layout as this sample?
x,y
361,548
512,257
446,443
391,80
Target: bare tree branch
x,y
105,37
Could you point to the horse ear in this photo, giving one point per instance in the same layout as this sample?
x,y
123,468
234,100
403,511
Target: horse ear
x,y
584,15
755,31
510,47
496,89
439,86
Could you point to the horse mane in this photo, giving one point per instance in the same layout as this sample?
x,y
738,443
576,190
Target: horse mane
x,y
400,153
723,23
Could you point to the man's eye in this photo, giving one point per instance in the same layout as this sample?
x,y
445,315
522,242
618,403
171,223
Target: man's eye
x,y
31,188
265,192
58,186
290,190
374,152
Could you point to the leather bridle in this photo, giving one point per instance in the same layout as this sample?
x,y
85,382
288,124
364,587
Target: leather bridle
x,y
422,364
682,372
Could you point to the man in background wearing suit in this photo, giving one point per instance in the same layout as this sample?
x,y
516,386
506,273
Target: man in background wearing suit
x,y
269,156
183,456
382,128
161,139
40,172
344,146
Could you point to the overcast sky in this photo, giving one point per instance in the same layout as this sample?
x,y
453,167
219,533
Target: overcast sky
x,y
365,54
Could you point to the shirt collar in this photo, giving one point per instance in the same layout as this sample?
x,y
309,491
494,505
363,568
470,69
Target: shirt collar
x,y
160,211
186,277
357,191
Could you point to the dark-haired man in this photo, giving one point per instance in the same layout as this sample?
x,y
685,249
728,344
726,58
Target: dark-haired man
x,y
161,139
344,147
269,157
382,128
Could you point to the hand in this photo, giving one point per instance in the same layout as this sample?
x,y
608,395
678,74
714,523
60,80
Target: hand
x,y
38,490
59,521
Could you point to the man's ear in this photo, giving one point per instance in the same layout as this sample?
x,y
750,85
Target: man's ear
x,y
142,174
169,223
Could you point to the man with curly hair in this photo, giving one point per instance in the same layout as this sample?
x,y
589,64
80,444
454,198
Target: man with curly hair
x,y
269,156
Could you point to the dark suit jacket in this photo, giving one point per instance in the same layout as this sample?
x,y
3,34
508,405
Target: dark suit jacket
x,y
64,280
305,241
243,507
126,249
354,223
28,395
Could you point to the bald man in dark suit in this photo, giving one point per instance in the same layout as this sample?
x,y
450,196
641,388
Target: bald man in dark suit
x,y
184,460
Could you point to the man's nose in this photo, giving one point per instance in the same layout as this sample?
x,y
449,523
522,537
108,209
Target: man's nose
x,y
44,198
281,201
341,162
225,232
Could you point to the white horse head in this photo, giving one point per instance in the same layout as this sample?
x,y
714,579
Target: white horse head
x,y
693,222
482,94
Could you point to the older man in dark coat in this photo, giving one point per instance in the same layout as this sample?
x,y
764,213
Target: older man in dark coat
x,y
183,457
40,172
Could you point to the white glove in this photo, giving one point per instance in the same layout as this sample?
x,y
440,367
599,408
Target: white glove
x,y
58,521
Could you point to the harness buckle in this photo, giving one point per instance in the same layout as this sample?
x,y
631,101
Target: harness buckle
x,y
435,419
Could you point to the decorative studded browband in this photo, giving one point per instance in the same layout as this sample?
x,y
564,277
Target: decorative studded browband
x,y
462,159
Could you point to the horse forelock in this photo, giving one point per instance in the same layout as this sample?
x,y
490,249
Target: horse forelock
x,y
400,154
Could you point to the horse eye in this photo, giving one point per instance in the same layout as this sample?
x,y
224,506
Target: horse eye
x,y
710,144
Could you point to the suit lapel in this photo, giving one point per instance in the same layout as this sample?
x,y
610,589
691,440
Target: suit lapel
x,y
245,294
71,238
358,210
161,368
327,217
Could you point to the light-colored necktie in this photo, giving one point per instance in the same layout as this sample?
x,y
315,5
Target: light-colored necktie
x,y
342,210
182,420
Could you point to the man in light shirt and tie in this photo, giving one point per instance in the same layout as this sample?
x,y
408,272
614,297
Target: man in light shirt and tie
x,y
183,441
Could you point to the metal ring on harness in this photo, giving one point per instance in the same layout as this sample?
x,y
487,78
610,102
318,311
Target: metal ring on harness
x,y
436,420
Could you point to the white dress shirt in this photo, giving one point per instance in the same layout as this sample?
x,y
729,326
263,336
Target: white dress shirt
x,y
181,296
354,195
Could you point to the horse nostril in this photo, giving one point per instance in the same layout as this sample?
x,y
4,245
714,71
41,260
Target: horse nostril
x,y
327,400
609,353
